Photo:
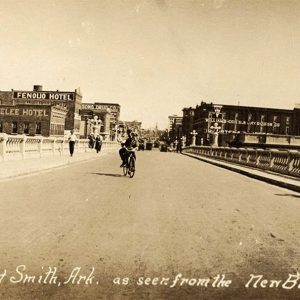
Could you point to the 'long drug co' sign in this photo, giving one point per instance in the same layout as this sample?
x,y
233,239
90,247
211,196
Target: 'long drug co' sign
x,y
43,95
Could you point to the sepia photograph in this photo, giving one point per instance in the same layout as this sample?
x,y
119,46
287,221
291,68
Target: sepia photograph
x,y
150,149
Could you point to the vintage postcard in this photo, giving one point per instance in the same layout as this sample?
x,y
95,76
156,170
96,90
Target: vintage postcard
x,y
149,149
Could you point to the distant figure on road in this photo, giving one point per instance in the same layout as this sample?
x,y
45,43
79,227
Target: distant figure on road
x,y
72,140
176,145
98,143
179,146
91,141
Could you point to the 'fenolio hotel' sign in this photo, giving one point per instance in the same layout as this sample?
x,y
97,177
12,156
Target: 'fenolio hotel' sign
x,y
43,95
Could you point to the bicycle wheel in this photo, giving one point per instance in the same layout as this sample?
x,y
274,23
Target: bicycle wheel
x,y
131,167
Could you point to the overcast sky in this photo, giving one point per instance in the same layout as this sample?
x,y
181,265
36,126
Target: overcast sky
x,y
154,57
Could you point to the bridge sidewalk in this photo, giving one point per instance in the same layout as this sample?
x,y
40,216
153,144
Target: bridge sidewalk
x,y
14,168
287,182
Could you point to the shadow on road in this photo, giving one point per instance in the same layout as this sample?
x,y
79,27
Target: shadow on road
x,y
107,174
288,195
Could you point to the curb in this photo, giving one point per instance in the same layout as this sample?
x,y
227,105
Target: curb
x,y
272,181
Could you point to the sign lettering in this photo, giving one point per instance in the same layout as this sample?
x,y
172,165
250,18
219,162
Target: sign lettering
x,y
240,122
113,108
23,112
44,95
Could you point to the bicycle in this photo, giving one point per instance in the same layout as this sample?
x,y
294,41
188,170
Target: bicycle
x,y
129,167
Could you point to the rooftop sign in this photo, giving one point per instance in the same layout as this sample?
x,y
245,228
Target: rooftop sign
x,y
43,95
111,107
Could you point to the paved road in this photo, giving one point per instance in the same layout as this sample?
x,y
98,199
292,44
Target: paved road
x,y
177,216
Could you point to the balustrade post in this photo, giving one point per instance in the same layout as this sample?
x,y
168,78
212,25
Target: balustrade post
x,y
40,147
53,146
272,158
61,147
240,153
76,146
23,146
225,153
3,140
258,152
291,159
248,156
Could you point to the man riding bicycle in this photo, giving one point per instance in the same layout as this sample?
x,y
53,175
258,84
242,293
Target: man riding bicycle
x,y
130,144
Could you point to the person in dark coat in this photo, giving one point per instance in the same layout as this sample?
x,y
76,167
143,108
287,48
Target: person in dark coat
x,y
129,143
98,143
91,141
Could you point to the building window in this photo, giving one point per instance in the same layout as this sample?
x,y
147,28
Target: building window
x,y
14,127
287,130
275,124
38,129
26,128
1,126
288,119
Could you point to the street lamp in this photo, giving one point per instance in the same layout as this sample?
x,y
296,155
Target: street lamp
x,y
96,125
183,141
194,133
215,129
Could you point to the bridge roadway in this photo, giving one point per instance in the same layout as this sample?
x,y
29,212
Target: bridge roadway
x,y
177,215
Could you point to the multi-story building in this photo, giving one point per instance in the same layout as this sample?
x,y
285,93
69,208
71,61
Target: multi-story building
x,y
174,119
108,113
32,119
187,123
175,126
38,104
233,123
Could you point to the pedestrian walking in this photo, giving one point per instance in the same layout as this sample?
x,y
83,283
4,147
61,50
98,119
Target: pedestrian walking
x,y
91,141
179,146
72,141
98,144
176,145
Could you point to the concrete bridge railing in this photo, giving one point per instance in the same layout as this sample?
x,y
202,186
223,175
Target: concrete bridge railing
x,y
13,147
285,162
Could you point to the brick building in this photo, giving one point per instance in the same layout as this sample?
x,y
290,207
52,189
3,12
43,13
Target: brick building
x,y
39,99
234,123
108,113
32,119
188,123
